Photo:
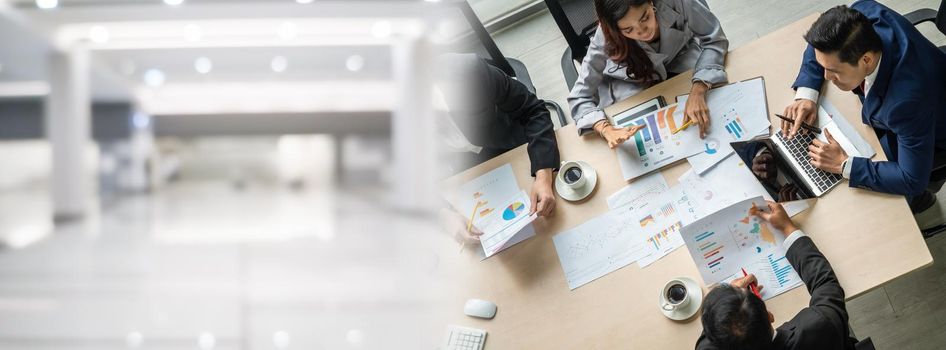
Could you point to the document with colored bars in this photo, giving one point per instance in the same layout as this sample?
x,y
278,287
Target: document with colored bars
x,y
738,112
725,242
656,145
499,208
641,232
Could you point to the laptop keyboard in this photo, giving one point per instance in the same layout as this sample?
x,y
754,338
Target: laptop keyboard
x,y
798,148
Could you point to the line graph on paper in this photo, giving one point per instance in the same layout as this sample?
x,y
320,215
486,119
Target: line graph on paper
x,y
598,247
593,240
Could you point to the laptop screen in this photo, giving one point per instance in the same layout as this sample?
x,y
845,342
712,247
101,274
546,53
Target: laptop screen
x,y
774,172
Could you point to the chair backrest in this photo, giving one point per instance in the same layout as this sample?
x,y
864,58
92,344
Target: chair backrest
x,y
577,21
866,344
471,35
941,17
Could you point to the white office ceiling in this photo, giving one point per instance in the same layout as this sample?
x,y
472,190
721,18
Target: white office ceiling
x,y
320,41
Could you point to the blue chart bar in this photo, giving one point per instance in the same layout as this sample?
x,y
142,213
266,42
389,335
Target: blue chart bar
x,y
654,130
645,131
781,269
734,129
704,235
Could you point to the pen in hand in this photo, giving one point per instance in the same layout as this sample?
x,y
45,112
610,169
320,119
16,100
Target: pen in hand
x,y
803,125
752,286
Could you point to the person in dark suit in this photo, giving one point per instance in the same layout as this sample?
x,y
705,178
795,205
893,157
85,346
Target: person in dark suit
x,y
736,318
488,114
900,77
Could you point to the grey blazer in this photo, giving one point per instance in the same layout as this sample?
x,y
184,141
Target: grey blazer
x,y
690,38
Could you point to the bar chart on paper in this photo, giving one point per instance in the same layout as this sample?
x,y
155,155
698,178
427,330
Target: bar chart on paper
x,y
649,140
782,270
734,125
729,240
739,112
655,145
710,250
664,237
660,229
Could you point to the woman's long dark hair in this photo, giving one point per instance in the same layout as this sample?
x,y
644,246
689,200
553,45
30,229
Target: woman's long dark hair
x,y
624,51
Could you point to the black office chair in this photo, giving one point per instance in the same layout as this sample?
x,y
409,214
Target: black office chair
x,y
476,40
866,344
939,19
929,15
577,21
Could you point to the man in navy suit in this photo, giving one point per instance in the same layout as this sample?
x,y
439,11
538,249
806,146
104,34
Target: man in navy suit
x,y
900,77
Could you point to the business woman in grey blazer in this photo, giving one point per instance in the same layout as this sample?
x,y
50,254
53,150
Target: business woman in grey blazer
x,y
640,43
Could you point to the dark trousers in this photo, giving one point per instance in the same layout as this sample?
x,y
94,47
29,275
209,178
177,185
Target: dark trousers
x,y
937,179
919,203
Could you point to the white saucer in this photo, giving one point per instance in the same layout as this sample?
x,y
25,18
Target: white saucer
x,y
696,300
572,195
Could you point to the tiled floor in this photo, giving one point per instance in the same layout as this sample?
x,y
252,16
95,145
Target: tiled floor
x,y
908,313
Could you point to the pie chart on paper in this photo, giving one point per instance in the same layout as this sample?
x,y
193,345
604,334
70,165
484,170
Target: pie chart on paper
x,y
513,210
712,145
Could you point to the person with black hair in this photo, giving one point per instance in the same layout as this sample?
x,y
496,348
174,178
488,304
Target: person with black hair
x,y
735,318
899,76
488,114
638,44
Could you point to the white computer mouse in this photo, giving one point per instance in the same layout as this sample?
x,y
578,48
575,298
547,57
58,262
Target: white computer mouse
x,y
480,308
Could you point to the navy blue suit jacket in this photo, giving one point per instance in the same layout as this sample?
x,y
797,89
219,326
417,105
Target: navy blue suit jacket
x,y
906,105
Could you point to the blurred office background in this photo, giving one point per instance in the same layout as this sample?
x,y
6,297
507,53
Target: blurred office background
x,y
219,174
256,174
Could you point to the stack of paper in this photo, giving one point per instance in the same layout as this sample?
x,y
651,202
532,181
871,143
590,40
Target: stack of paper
x,y
498,208
642,226
657,226
738,112
728,183
640,192
598,247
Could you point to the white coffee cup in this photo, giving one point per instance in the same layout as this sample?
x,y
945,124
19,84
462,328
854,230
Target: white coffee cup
x,y
675,295
572,175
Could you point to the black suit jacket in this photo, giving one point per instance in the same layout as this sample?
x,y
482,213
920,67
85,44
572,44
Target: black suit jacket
x,y
824,323
495,111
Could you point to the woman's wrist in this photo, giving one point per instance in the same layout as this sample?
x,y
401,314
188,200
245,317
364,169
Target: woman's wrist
x,y
699,87
600,126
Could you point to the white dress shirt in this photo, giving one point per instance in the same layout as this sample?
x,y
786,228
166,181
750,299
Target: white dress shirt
x,y
794,236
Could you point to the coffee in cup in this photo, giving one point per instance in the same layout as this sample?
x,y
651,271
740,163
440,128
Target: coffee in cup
x,y
572,175
675,295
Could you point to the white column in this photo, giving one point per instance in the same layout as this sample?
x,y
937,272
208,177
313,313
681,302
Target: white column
x,y
413,180
68,111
